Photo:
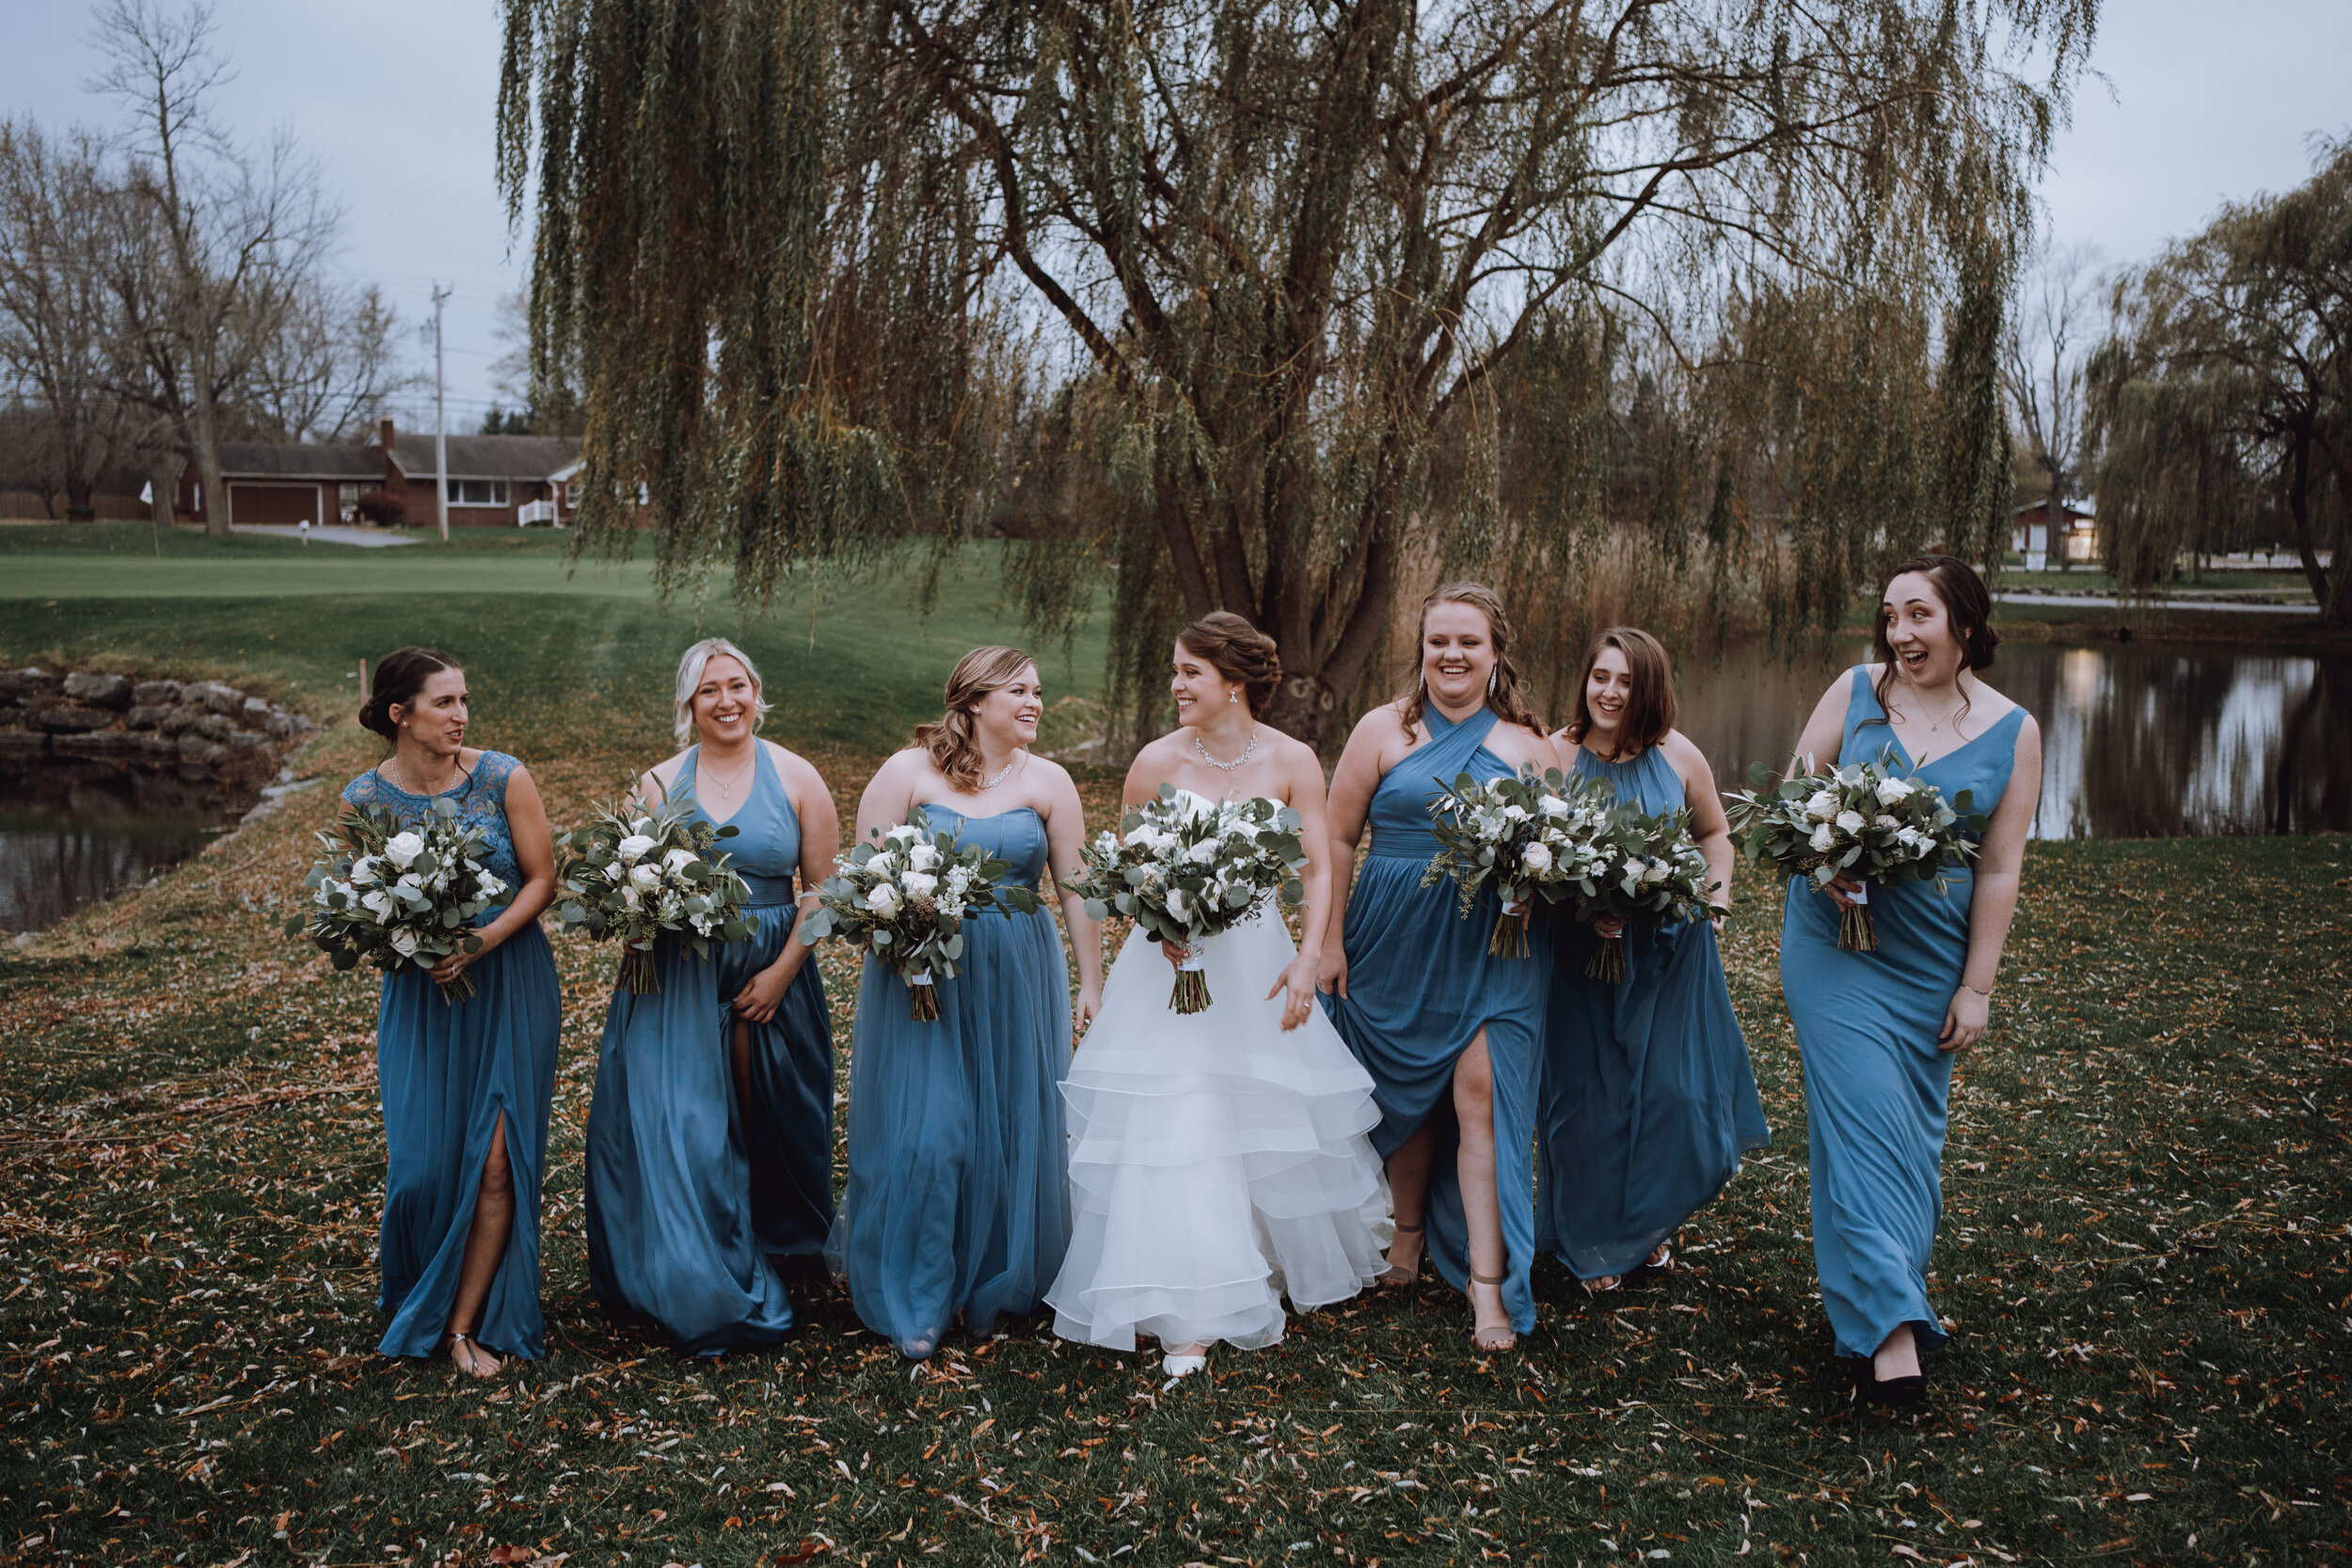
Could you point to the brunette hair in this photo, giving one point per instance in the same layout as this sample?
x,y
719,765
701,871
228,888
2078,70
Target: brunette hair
x,y
399,676
1968,606
1506,696
1649,712
1240,652
690,678
954,742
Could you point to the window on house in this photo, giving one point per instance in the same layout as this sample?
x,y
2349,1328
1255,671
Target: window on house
x,y
477,492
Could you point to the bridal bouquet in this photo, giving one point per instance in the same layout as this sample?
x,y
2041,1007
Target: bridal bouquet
x,y
394,896
1862,817
1528,835
1186,870
632,873
1645,868
905,897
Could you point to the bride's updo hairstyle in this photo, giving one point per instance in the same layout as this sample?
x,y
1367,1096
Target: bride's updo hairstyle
x,y
1239,651
690,675
399,676
954,742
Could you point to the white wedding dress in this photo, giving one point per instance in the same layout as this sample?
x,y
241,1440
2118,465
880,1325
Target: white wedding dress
x,y
1216,1164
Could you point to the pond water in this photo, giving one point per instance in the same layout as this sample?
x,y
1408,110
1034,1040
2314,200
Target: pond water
x,y
2137,742
75,834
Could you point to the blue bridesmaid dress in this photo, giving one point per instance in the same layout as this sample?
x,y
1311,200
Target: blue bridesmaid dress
x,y
1875,1084
956,1205
447,1073
1421,985
1649,1100
672,1239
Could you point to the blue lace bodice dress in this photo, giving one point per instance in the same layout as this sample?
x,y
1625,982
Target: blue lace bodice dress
x,y
956,1206
1649,1100
1876,1086
446,1075
1420,985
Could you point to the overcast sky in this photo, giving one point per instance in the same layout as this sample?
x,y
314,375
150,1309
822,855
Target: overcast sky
x,y
2203,101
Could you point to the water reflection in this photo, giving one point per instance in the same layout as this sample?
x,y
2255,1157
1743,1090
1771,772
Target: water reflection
x,y
2137,742
74,834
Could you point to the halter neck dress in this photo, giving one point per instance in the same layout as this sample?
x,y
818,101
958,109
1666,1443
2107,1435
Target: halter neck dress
x,y
1648,1099
956,1205
446,1073
673,1243
1876,1088
1421,985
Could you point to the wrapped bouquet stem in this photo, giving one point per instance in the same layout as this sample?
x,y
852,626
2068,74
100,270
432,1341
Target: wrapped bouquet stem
x,y
392,895
1185,867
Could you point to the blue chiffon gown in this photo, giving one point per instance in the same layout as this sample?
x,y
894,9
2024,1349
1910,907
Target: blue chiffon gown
x,y
672,1239
1875,1084
1649,1100
446,1075
956,1205
1421,985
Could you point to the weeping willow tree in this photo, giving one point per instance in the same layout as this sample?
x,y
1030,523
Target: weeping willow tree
x,y
2227,386
1329,290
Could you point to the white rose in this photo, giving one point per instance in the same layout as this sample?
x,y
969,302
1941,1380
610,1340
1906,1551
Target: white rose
x,y
883,865
614,871
635,848
1882,820
404,943
1892,790
1908,836
647,878
628,898
1536,858
1176,903
330,886
921,882
1823,839
1551,806
408,879
402,848
923,857
1655,872
1850,821
1202,853
1515,812
1143,837
883,900
363,870
679,860
1823,806
902,836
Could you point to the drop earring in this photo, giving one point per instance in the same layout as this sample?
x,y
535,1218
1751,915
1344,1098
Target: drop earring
x,y
1492,676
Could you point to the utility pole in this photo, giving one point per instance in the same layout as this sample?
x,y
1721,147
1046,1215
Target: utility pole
x,y
440,418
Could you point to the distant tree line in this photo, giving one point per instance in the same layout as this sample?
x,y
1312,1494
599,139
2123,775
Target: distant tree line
x,y
165,290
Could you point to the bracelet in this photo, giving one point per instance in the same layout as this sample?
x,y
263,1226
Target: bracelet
x,y
1985,991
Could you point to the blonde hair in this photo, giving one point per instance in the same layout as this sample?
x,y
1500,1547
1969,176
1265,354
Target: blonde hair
x,y
690,677
1505,696
954,742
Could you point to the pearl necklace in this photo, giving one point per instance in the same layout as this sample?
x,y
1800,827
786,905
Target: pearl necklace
x,y
1002,774
1226,767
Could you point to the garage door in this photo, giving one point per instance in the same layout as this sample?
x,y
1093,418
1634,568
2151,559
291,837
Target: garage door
x,y
273,503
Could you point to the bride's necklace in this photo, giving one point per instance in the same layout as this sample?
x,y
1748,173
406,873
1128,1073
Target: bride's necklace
x,y
1002,775
1226,767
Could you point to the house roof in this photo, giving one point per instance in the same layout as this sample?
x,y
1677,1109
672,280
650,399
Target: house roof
x,y
297,460
2071,509
485,456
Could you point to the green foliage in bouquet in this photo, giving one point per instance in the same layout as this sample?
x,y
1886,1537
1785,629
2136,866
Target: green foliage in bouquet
x,y
1523,835
1185,872
1643,869
904,899
1866,817
631,874
392,895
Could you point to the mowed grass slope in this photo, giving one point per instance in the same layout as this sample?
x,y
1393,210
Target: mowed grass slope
x,y
2145,1256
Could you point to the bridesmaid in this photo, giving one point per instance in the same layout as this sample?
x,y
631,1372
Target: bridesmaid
x,y
710,1135
1449,1035
1879,1031
465,1086
956,1208
1648,1100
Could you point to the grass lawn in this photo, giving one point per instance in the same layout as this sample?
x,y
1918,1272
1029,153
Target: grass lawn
x,y
2145,1251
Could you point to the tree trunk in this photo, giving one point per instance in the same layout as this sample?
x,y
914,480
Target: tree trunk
x,y
2054,526
204,452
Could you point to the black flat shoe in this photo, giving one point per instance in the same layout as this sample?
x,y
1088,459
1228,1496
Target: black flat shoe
x,y
1893,1393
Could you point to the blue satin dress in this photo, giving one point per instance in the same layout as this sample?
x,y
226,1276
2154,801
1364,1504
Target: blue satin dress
x,y
1875,1084
672,1243
1649,1100
447,1073
1421,985
956,1205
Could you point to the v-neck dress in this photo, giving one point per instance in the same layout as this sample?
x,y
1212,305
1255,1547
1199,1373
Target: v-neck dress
x,y
1420,985
1876,1086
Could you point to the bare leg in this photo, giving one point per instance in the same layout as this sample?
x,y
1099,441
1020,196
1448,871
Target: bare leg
x,y
486,1245
1482,1206
1898,1358
1408,1191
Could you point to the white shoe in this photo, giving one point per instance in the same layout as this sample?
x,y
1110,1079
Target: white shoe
x,y
1181,1366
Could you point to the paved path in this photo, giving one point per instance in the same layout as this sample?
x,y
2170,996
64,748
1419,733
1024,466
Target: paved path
x,y
2093,601
366,538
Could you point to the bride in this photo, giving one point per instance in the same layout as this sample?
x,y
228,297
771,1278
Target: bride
x,y
1219,1159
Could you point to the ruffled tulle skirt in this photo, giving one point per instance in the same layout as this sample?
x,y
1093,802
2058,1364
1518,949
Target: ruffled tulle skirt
x,y
1216,1164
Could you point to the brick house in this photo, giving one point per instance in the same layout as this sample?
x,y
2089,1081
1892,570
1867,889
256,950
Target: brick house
x,y
2077,541
494,481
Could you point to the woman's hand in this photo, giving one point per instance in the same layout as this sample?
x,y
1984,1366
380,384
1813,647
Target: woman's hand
x,y
1298,980
1716,918
1176,953
762,994
455,964
1610,928
1332,972
1842,888
1090,1003
1964,1021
